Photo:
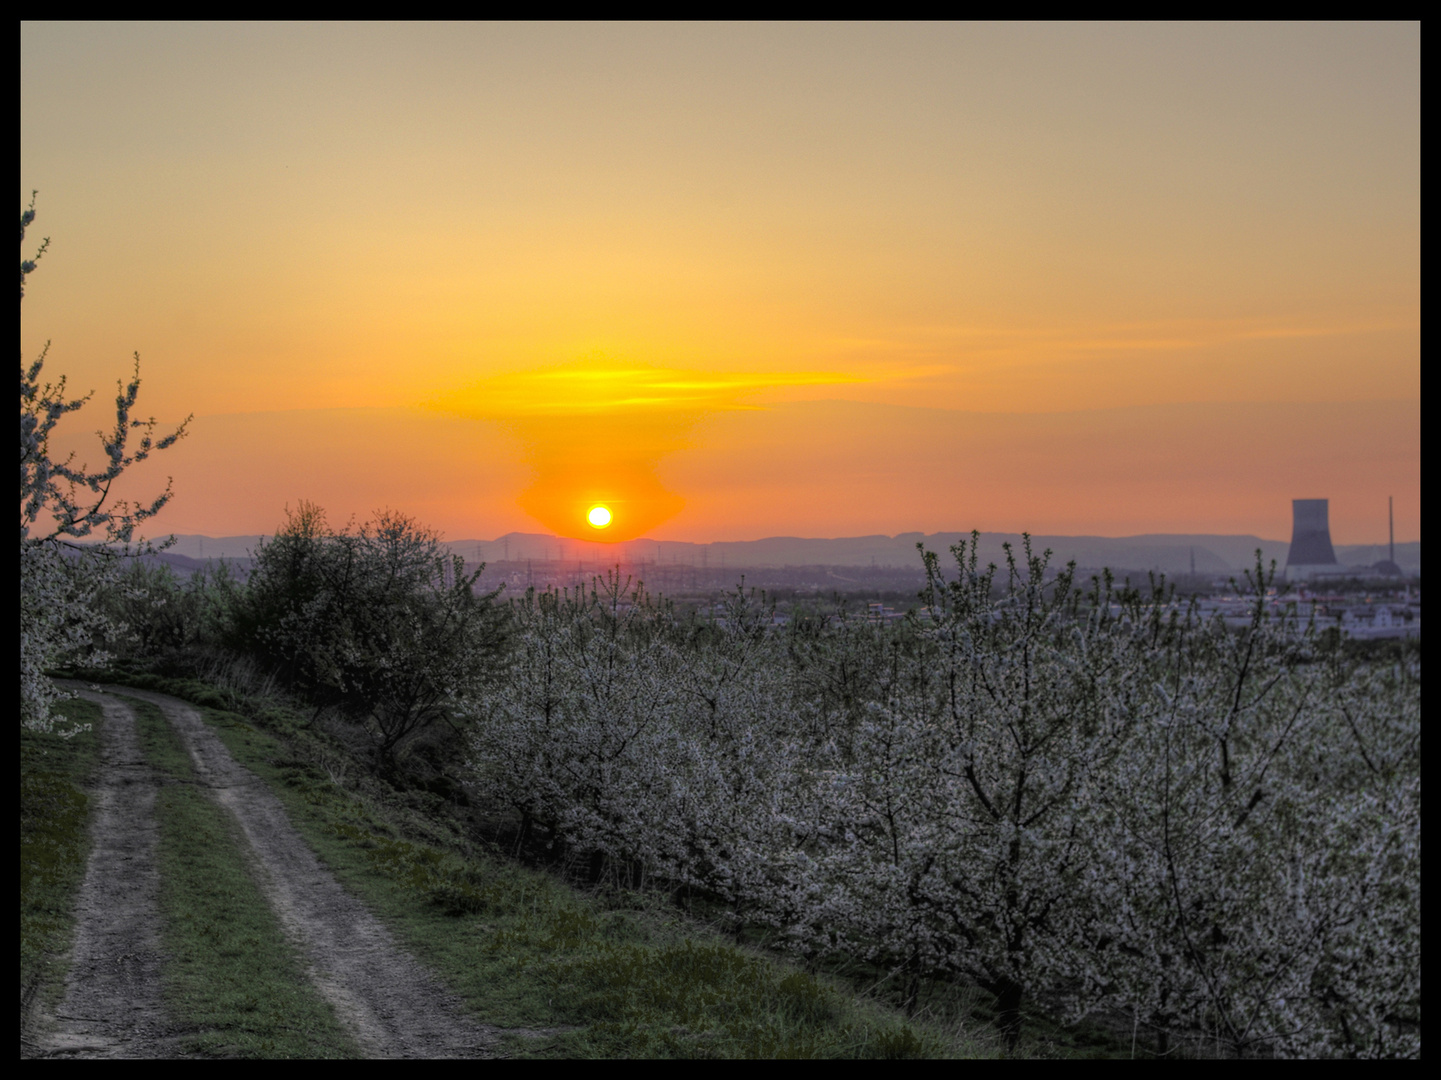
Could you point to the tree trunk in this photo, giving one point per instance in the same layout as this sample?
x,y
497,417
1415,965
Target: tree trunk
x,y
1008,1001
913,983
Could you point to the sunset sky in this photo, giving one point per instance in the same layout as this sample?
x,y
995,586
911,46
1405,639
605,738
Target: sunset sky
x,y
737,281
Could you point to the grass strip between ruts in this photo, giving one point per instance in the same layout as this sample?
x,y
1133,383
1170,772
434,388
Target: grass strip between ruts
x,y
234,984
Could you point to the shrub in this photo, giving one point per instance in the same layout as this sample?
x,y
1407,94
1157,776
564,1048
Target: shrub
x,y
376,622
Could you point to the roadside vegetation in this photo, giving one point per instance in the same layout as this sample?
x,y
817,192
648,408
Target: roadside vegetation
x,y
55,810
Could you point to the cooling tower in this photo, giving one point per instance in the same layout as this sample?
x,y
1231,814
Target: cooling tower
x,y
1311,553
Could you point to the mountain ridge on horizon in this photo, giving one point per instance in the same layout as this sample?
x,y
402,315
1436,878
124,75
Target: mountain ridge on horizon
x,y
1167,552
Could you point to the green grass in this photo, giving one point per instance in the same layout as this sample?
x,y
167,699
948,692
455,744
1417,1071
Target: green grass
x,y
613,975
233,982
54,846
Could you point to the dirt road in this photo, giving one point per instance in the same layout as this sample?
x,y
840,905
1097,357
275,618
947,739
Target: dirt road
x,y
112,1004
391,1005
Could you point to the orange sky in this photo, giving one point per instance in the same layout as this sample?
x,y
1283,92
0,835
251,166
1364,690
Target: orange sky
x,y
740,281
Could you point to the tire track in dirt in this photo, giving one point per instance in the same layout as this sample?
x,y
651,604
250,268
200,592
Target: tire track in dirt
x,y
112,1006
391,1005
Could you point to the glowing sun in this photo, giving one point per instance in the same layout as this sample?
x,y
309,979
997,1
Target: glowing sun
x,y
599,517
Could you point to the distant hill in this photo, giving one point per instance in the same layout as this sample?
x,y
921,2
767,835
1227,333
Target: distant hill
x,y
1408,556
215,547
1170,553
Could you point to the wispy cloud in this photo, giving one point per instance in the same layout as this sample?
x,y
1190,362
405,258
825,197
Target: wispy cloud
x,y
591,387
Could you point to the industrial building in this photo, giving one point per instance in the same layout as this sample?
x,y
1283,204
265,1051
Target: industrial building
x,y
1311,555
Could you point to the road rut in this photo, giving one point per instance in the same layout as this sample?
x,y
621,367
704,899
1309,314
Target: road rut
x,y
112,1006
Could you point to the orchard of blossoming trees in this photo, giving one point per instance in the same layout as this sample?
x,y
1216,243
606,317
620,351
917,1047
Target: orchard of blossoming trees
x,y
1090,798
1095,796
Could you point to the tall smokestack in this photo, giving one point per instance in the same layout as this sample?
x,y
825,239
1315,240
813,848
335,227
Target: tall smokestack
x,y
1390,522
1311,550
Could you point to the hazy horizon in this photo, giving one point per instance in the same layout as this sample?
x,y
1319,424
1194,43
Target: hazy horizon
x,y
1172,553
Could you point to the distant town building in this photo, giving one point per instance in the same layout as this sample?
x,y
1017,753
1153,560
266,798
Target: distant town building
x,y
1311,555
1381,621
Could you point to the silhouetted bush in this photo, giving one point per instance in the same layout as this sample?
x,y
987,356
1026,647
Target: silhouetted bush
x,y
375,622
